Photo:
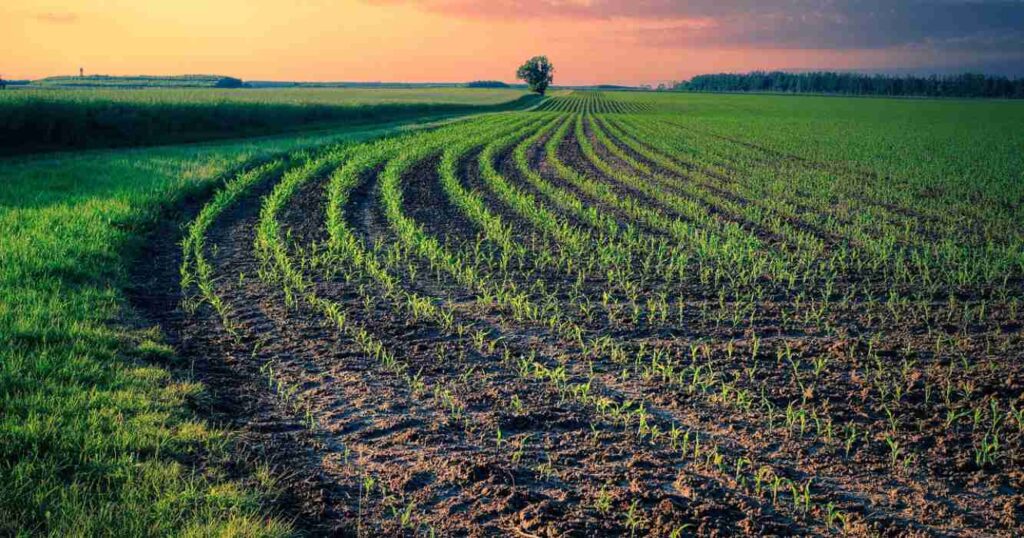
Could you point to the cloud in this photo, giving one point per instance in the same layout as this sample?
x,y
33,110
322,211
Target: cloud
x,y
526,9
57,17
962,25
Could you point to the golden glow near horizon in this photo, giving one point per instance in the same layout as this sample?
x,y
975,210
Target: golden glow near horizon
x,y
360,40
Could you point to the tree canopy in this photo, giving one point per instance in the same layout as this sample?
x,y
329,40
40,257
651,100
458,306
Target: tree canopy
x,y
486,84
538,73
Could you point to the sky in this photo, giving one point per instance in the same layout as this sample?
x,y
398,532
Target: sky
x,y
588,41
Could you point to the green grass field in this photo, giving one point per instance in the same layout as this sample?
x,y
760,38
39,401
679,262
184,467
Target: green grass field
x,y
53,119
784,309
272,96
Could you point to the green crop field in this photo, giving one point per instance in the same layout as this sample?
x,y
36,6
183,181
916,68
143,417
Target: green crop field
x,y
613,313
54,119
270,96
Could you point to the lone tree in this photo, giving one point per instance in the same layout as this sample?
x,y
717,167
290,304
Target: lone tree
x,y
538,73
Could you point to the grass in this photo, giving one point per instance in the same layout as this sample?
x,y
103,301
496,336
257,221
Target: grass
x,y
38,120
98,432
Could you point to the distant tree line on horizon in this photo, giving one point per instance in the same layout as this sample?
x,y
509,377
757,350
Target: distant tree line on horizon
x,y
138,81
486,84
963,85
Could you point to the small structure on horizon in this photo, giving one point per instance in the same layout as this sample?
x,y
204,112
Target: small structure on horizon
x,y
81,72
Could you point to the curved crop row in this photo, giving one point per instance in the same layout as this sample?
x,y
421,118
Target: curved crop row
x,y
540,293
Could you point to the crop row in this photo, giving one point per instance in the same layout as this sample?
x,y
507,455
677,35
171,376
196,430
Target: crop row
x,y
591,102
656,279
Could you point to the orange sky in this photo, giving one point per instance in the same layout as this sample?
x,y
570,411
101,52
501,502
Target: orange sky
x,y
370,40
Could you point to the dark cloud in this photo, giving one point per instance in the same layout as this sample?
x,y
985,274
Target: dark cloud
x,y
872,24
963,25
57,17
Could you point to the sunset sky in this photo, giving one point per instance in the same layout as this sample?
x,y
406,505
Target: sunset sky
x,y
589,41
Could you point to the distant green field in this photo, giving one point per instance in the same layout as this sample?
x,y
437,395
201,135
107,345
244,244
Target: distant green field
x,y
958,150
48,119
270,96
104,81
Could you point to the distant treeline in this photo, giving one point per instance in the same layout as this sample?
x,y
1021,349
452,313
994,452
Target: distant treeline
x,y
965,85
32,121
487,84
142,81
